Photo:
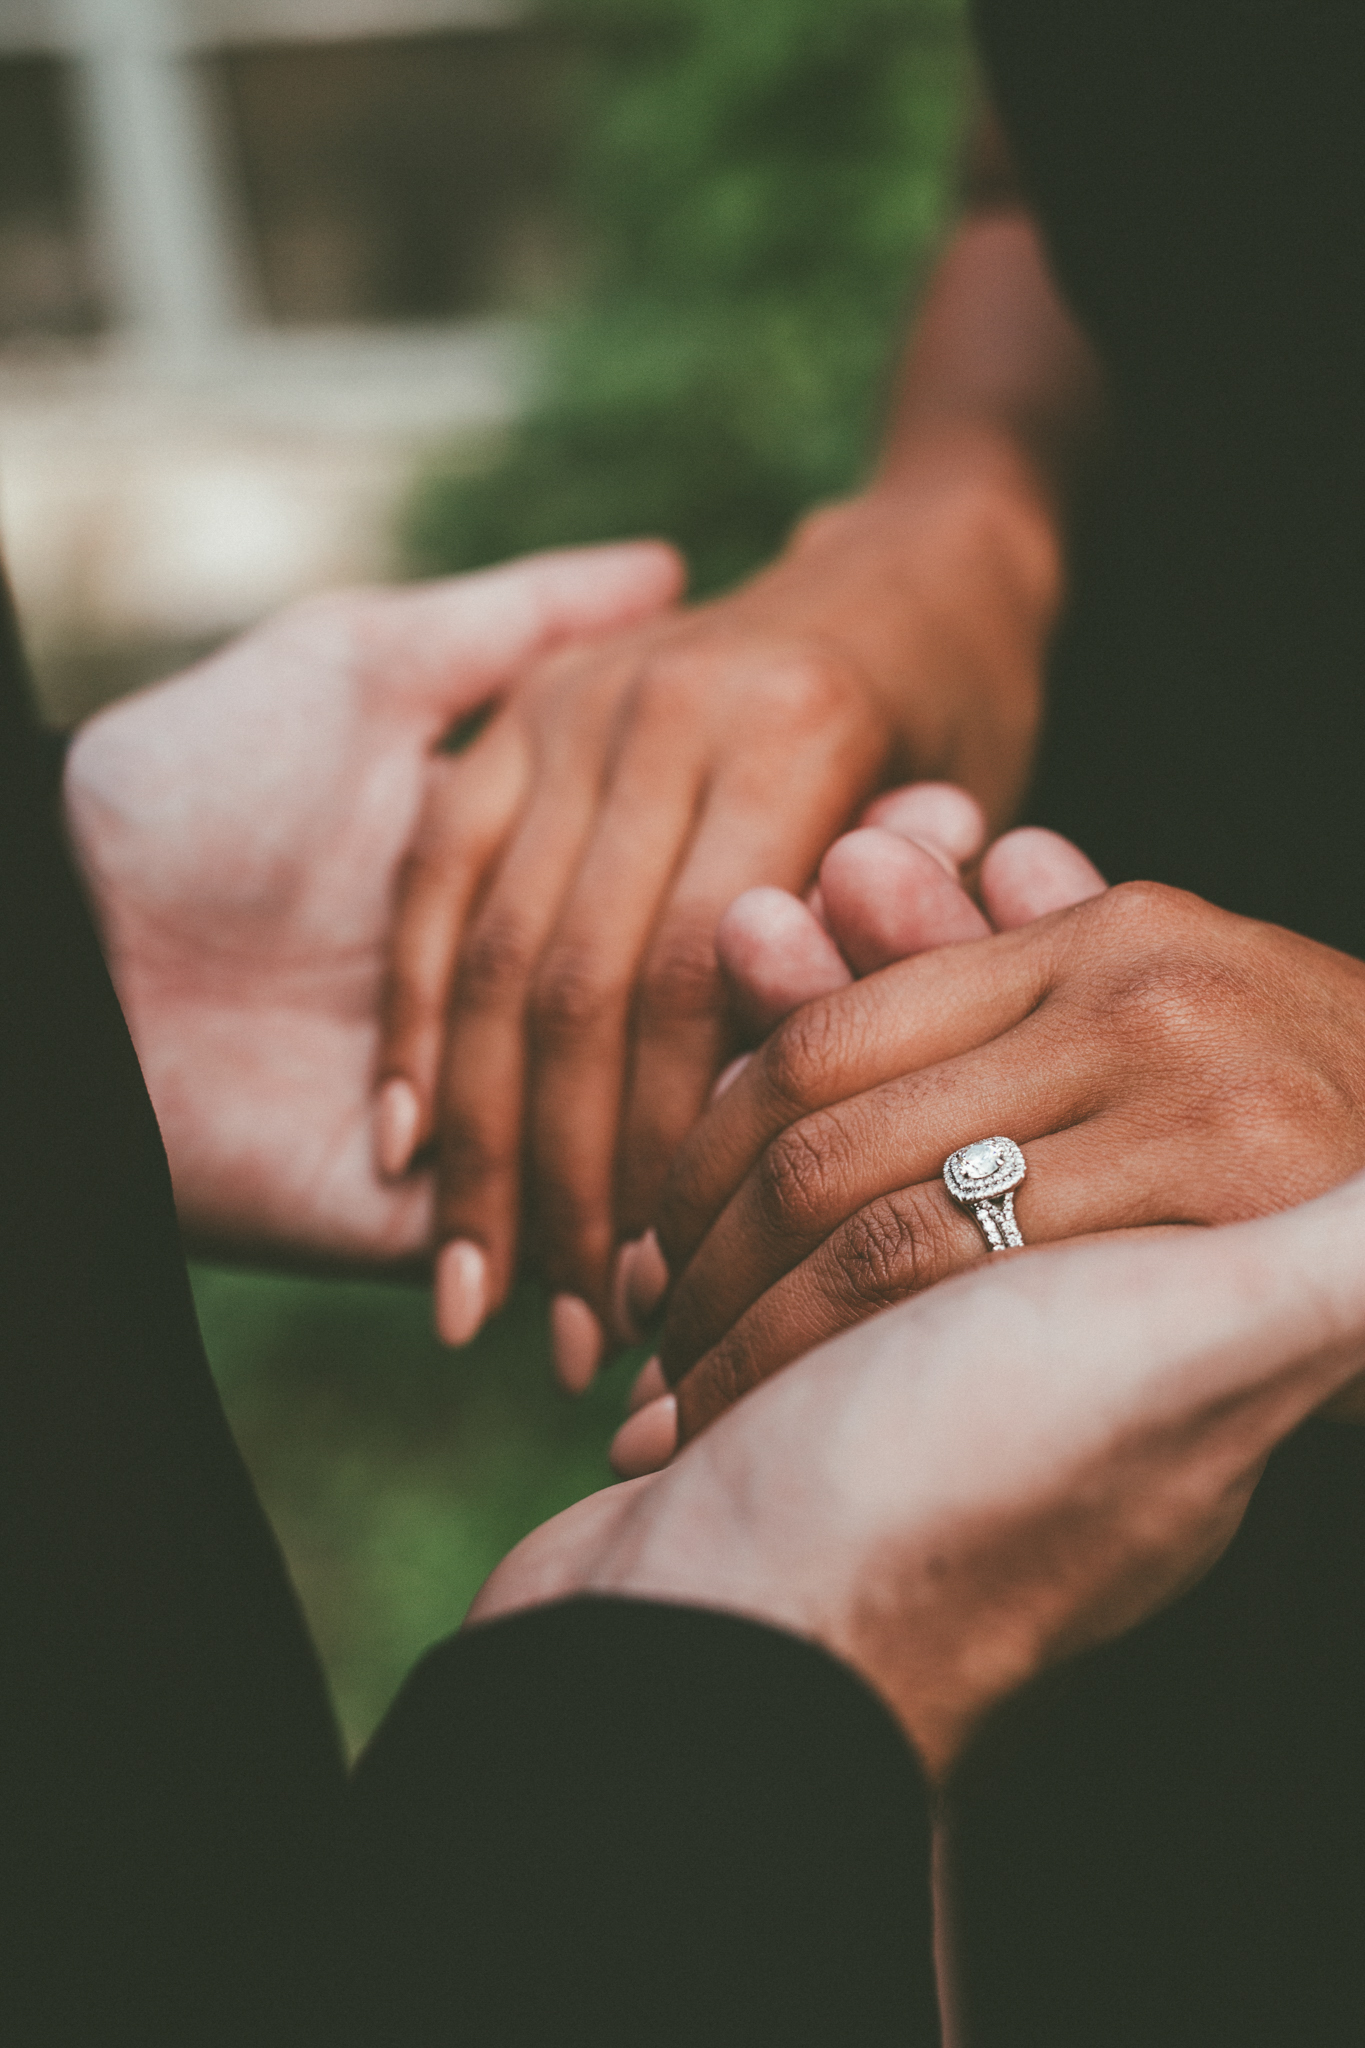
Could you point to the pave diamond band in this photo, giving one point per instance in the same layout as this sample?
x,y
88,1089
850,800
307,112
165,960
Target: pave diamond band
x,y
982,1177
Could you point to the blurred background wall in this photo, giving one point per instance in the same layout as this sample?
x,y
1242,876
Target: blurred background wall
x,y
295,292
253,258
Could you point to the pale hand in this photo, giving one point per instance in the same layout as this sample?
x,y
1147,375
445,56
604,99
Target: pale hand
x,y
999,1474
241,830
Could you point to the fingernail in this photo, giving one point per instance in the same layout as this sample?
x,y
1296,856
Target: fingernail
x,y
397,1113
650,1385
728,1076
576,1342
461,1285
647,1441
646,1280
623,1320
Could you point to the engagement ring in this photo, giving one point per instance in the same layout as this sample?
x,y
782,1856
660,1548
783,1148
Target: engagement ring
x,y
982,1178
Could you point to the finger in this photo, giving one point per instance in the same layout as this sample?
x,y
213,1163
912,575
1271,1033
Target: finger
x,y
1079,1182
584,993
886,898
910,1015
480,1102
646,1440
1031,872
470,805
775,954
683,1027
938,815
834,1163
442,648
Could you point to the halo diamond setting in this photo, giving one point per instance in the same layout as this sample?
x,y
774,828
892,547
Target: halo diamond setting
x,y
982,1177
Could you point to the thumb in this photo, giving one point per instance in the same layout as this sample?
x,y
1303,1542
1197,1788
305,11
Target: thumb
x,y
1032,872
439,649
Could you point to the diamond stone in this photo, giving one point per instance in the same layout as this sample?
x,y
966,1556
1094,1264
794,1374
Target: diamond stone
x,y
979,1162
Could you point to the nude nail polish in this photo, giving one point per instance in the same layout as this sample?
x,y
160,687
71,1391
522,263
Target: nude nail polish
x,y
646,1281
727,1077
461,1290
650,1385
622,1319
396,1116
576,1341
647,1441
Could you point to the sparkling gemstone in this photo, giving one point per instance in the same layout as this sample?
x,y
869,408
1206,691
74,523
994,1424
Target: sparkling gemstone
x,y
979,1162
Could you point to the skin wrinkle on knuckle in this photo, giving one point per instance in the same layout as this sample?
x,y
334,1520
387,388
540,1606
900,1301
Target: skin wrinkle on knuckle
x,y
797,1179
891,1248
798,1059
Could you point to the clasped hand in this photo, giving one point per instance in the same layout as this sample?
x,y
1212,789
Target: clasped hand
x,y
1159,1060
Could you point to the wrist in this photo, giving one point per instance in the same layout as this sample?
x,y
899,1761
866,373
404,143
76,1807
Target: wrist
x,y
943,580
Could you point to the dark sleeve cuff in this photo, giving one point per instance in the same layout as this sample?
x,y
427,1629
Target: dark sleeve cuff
x,y
621,1822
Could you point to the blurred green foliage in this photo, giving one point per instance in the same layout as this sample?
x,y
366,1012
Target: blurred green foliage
x,y
761,182
396,1473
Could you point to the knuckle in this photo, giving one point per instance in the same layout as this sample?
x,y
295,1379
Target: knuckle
x,y
1161,984
471,1153
891,1248
497,963
797,1176
574,994
1137,907
806,687
797,684
682,978
800,1058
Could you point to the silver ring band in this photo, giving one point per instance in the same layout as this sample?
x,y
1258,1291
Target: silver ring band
x,y
982,1177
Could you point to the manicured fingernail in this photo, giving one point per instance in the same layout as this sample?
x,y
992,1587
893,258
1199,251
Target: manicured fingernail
x,y
647,1441
576,1341
647,1280
622,1319
461,1290
728,1076
650,1385
397,1113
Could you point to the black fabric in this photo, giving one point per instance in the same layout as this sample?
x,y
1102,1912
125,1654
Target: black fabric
x,y
1164,1846
614,1824
718,1837
169,1769
1199,168
1167,1844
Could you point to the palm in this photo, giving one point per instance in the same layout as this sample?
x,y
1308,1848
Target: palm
x,y
241,829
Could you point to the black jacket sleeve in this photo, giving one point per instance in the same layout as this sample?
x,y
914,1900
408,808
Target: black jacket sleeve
x,y
168,1765
708,1833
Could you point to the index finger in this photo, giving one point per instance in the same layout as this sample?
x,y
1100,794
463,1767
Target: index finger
x,y
917,1013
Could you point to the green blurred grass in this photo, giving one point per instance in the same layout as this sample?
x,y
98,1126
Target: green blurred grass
x,y
396,1473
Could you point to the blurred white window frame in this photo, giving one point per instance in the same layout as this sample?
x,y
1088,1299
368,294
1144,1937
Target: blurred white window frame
x,y
165,212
